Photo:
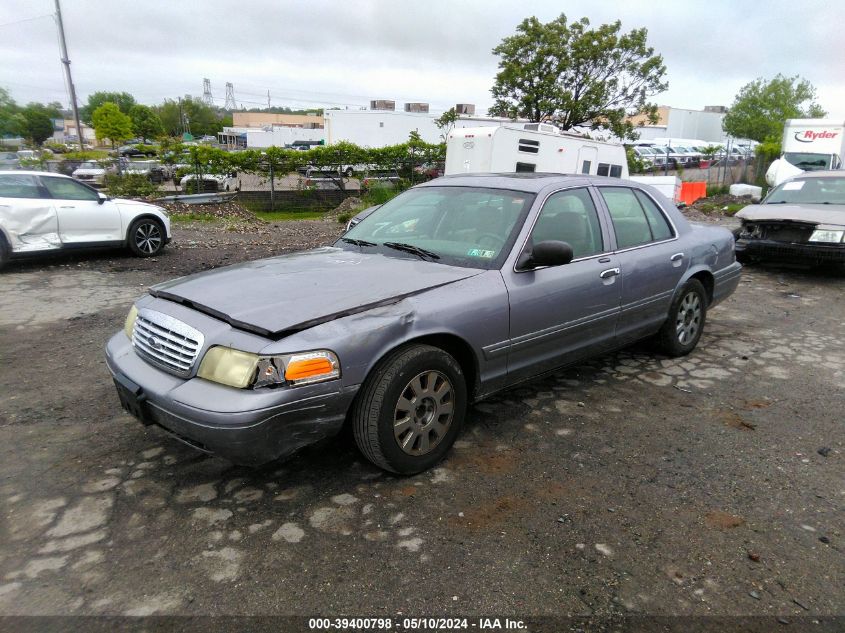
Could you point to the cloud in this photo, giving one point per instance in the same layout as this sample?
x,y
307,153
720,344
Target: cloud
x,y
345,53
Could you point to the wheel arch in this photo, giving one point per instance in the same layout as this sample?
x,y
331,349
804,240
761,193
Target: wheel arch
x,y
142,216
703,275
453,345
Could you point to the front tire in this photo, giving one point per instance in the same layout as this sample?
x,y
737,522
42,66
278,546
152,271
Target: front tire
x,y
146,237
410,409
682,330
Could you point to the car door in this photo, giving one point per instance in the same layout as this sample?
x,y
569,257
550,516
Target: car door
x,y
561,314
651,261
84,218
27,217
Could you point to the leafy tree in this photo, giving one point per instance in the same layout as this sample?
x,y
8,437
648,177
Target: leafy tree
x,y
12,122
145,122
200,118
123,100
111,123
38,122
446,122
571,74
761,107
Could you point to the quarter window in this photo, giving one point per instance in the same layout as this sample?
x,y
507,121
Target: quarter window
x,y
660,227
19,186
570,216
629,220
67,189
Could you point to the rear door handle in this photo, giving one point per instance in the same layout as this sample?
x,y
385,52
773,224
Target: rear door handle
x,y
610,272
676,257
69,206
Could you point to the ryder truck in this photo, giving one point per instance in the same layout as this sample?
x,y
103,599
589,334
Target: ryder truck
x,y
808,145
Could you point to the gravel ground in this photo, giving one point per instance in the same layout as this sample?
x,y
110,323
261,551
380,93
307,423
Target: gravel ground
x,y
632,484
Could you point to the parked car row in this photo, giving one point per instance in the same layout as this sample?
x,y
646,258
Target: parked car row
x,y
656,156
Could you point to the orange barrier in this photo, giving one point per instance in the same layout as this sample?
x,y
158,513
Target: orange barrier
x,y
692,191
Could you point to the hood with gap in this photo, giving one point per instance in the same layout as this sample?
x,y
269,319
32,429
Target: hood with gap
x,y
288,293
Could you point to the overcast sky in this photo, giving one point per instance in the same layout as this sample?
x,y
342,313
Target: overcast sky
x,y
323,53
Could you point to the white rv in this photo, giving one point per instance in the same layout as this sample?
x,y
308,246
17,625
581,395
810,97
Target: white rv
x,y
531,147
808,145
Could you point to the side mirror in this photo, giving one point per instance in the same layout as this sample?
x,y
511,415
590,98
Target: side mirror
x,y
101,197
548,253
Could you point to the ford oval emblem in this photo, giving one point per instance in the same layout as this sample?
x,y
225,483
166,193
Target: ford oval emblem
x,y
469,144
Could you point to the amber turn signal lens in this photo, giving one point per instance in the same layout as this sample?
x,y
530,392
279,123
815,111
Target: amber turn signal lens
x,y
303,368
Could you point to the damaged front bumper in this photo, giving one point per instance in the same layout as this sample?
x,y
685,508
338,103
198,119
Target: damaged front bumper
x,y
790,251
249,427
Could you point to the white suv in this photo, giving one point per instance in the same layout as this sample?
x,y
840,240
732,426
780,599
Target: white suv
x,y
43,212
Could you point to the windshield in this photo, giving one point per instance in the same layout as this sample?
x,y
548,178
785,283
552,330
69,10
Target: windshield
x,y
807,161
470,227
89,166
809,191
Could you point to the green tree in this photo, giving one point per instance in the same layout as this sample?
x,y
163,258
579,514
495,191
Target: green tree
x,y
38,122
111,123
145,122
12,122
446,122
123,100
189,113
571,74
761,107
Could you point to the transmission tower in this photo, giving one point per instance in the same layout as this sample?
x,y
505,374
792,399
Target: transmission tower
x,y
230,97
206,92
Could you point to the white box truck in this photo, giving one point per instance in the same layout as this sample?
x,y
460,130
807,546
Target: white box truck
x,y
808,145
531,147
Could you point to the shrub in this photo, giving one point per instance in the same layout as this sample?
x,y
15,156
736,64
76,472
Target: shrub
x,y
129,185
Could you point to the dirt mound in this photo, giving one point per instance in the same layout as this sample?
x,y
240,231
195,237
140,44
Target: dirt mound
x,y
350,204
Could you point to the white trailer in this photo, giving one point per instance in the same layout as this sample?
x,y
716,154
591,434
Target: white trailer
x,y
531,147
808,145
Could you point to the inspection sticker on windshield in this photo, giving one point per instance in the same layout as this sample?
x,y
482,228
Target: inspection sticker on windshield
x,y
477,252
793,186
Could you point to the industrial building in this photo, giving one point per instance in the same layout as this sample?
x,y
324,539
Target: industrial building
x,y
379,126
705,125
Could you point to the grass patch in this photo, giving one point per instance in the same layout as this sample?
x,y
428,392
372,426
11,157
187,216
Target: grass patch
x,y
284,216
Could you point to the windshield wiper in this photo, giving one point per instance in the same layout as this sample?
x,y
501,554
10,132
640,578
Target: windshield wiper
x,y
349,240
410,248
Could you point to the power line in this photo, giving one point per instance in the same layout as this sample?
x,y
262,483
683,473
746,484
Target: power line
x,y
37,17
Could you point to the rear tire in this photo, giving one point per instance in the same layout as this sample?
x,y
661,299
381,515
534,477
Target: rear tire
x,y
682,330
410,409
146,237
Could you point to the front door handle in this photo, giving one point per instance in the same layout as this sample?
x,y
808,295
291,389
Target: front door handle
x,y
610,272
69,206
676,257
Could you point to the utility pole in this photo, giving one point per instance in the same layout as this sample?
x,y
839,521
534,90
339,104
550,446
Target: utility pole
x,y
66,63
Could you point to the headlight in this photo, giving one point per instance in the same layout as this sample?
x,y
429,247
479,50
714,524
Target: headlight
x,y
129,324
242,369
822,235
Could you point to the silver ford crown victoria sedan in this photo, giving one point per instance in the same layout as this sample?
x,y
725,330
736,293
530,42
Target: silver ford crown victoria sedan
x,y
451,291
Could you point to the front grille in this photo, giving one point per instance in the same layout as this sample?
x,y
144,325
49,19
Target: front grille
x,y
166,342
786,231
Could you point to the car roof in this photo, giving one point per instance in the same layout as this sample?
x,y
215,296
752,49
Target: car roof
x,y
528,182
18,172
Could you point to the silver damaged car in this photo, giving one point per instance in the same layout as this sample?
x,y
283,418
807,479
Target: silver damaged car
x,y
451,291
